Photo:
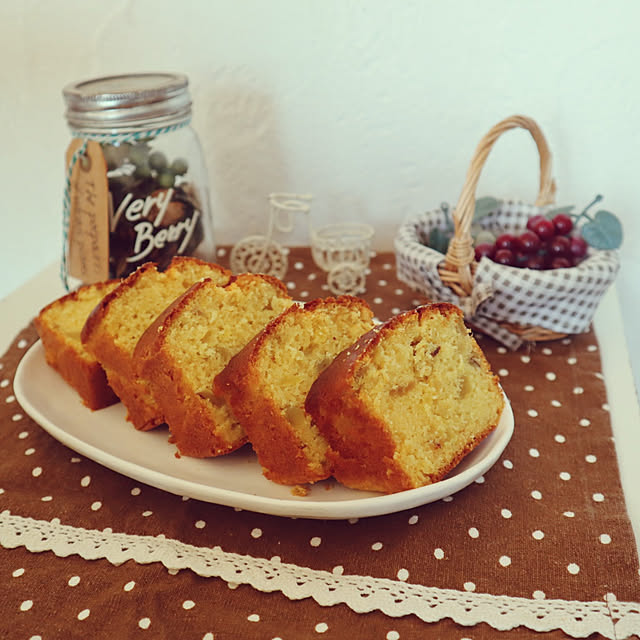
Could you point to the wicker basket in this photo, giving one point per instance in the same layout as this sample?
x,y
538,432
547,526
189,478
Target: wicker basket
x,y
514,305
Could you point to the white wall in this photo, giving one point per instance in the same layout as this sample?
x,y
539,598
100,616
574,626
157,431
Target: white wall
x,y
374,106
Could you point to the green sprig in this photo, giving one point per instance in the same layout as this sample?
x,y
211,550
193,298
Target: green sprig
x,y
601,231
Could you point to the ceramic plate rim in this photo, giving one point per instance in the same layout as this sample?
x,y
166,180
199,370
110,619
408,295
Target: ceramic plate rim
x,y
367,505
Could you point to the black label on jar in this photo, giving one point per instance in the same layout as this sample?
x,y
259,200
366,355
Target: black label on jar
x,y
154,210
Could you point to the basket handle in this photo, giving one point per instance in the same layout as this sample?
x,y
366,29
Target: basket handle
x,y
457,268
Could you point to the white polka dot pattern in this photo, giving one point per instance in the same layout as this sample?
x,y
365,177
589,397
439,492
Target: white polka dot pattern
x,y
530,497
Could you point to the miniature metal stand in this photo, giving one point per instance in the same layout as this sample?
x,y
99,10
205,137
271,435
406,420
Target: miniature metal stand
x,y
262,254
343,250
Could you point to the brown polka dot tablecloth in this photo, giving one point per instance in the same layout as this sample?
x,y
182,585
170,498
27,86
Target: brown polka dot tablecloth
x,y
538,546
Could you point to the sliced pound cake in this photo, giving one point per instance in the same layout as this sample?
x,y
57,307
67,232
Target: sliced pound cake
x,y
59,325
114,327
267,382
191,342
407,402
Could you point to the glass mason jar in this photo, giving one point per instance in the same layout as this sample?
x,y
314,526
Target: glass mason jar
x,y
136,187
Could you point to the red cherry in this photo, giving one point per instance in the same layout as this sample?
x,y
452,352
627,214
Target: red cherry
x,y
504,256
484,249
543,251
536,262
578,247
563,224
528,242
531,222
521,258
544,229
559,246
506,241
560,262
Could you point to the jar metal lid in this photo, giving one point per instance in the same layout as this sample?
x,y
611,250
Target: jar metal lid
x,y
128,102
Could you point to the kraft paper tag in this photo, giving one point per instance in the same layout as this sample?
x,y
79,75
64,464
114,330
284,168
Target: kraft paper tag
x,y
88,253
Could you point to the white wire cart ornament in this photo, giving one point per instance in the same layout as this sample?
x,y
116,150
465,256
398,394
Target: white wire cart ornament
x,y
343,250
261,253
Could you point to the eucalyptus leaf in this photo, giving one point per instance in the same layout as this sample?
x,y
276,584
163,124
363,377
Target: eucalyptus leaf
x,y
603,232
439,240
484,206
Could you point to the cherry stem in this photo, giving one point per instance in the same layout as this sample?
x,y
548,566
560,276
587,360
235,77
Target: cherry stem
x,y
584,213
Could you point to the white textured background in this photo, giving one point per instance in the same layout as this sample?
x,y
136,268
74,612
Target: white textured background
x,y
374,106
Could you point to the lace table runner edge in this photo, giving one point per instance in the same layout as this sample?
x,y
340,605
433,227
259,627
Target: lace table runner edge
x,y
610,617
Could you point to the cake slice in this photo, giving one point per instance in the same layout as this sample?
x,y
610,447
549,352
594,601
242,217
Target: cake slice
x,y
407,402
114,327
267,382
59,325
191,342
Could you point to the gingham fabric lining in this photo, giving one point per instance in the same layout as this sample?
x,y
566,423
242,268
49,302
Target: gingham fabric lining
x,y
562,300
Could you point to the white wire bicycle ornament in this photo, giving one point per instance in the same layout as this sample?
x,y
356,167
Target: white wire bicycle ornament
x,y
342,250
262,254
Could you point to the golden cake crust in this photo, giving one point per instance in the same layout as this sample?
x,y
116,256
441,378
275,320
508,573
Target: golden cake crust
x,y
192,419
110,350
281,450
64,350
363,449
260,417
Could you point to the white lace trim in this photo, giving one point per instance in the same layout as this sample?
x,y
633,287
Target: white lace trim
x,y
610,618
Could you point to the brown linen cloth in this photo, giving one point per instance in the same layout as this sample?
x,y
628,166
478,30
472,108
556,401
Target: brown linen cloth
x,y
548,521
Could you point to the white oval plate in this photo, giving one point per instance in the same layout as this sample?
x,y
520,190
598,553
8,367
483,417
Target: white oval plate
x,y
234,480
